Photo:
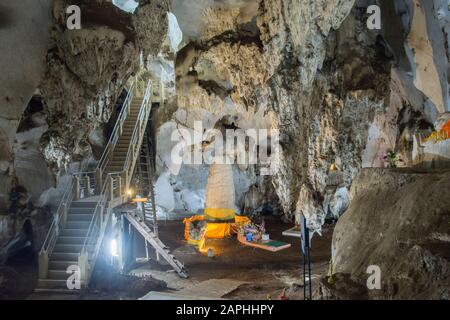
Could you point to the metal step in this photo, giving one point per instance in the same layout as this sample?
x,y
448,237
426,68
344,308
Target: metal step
x,y
70,240
81,210
123,147
58,275
122,161
61,256
83,204
120,153
61,265
78,225
74,232
115,166
79,217
67,248
115,162
53,284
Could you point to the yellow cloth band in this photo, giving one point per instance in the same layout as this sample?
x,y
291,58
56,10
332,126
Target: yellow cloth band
x,y
221,214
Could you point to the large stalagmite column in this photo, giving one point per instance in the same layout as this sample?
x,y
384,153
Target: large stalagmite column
x,y
220,194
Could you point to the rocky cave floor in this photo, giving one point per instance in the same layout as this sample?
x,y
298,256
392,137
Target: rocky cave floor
x,y
235,271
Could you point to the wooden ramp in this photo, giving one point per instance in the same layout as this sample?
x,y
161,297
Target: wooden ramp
x,y
270,245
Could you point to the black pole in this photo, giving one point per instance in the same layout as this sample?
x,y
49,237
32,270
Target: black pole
x,y
304,275
309,274
306,250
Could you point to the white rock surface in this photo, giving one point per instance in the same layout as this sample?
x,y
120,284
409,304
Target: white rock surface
x,y
164,194
220,187
175,34
126,5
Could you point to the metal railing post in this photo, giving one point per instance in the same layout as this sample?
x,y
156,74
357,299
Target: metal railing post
x,y
87,185
101,216
111,186
64,214
83,265
120,185
43,265
98,178
77,188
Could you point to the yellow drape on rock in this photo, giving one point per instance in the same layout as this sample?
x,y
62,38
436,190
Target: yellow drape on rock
x,y
217,230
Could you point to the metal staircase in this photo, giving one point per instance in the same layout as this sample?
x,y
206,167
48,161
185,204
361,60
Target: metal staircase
x,y
76,234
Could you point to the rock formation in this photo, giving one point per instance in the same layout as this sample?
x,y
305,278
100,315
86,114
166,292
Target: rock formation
x,y
401,222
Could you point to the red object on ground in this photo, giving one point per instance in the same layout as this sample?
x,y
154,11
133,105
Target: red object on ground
x,y
283,295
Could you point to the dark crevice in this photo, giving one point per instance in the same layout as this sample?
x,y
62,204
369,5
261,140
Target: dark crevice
x,y
213,87
35,105
245,34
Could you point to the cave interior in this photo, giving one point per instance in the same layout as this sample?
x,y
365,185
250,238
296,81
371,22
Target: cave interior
x,y
224,149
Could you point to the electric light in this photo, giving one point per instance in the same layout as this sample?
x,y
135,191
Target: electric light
x,y
113,248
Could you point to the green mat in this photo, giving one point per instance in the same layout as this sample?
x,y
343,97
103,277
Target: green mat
x,y
276,244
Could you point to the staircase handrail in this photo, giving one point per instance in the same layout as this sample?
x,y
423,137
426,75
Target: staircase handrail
x,y
60,214
138,134
117,131
58,220
97,224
